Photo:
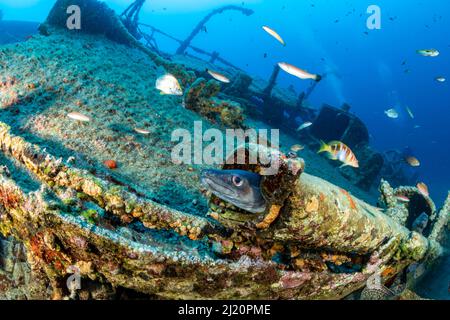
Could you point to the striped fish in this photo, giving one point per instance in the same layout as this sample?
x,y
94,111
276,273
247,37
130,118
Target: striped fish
x,y
339,151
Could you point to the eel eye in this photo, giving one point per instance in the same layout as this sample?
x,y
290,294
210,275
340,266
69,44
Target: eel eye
x,y
237,181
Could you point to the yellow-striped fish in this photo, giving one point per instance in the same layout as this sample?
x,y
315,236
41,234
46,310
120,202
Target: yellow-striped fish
x,y
274,34
339,151
79,117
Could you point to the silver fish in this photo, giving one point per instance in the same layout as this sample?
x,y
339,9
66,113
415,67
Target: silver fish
x,y
304,126
392,113
297,72
218,76
168,84
274,34
79,117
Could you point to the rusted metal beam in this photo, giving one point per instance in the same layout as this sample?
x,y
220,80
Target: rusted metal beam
x,y
185,44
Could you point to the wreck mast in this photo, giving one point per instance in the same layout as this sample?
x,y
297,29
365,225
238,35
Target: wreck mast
x,y
185,44
130,17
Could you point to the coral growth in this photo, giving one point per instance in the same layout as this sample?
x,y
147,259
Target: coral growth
x,y
201,98
8,93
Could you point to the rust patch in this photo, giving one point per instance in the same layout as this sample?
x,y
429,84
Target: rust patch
x,y
350,199
8,198
49,256
322,197
389,271
273,214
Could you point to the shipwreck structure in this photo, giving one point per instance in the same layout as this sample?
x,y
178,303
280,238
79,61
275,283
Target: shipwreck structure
x,y
70,230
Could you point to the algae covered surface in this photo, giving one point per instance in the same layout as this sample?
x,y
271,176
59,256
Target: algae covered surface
x,y
50,77
46,78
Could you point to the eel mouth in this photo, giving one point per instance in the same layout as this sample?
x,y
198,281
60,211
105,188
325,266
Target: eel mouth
x,y
218,186
249,200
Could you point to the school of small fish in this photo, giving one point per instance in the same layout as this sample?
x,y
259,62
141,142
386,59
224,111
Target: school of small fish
x,y
393,114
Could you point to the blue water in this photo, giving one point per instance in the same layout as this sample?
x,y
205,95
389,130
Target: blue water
x,y
366,67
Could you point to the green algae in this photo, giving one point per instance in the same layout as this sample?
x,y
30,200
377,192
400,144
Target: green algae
x,y
90,215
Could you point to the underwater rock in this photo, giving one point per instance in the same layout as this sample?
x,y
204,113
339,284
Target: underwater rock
x,y
15,272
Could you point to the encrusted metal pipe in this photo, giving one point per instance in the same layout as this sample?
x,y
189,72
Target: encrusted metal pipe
x,y
115,199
